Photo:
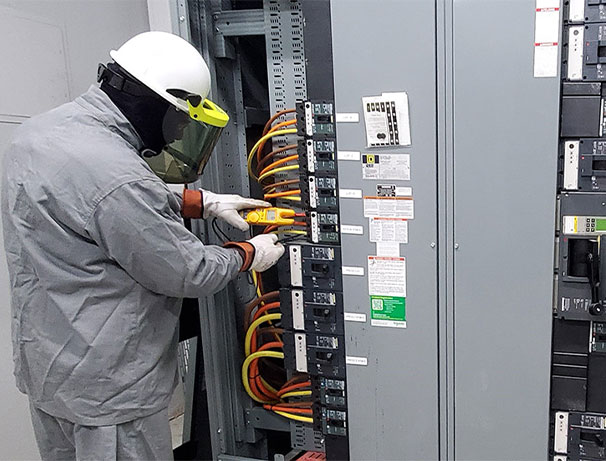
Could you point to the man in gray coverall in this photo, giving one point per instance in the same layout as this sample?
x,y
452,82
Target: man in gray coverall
x,y
98,255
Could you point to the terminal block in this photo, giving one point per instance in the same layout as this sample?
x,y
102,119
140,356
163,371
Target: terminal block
x,y
580,436
311,266
318,311
585,11
316,119
317,156
584,165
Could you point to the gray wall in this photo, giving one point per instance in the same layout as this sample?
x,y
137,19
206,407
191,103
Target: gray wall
x,y
49,51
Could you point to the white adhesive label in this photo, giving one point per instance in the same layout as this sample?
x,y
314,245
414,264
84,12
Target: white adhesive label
x,y
345,117
403,191
546,38
389,207
360,361
387,276
350,193
386,119
388,230
352,270
386,166
348,155
354,317
388,249
350,229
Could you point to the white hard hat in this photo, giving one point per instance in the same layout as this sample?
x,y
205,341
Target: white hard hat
x,y
163,61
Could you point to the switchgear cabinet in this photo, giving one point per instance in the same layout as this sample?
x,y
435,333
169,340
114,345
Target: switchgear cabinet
x,y
423,149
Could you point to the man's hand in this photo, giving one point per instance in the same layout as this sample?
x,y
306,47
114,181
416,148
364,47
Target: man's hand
x,y
267,251
226,207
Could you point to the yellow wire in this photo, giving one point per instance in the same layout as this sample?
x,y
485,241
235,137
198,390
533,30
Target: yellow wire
x,y
268,386
277,170
256,146
295,394
255,281
246,364
294,198
289,231
303,419
253,326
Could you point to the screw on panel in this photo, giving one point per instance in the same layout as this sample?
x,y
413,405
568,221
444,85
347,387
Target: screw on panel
x,y
456,246
182,18
432,244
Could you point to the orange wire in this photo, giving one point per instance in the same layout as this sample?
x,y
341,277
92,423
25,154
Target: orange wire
x,y
275,128
293,387
278,163
254,377
272,154
286,193
288,182
300,411
275,117
264,309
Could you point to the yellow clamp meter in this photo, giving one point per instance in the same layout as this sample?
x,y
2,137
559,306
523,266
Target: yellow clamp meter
x,y
269,216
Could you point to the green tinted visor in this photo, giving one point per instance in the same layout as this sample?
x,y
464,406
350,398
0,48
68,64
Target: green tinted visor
x,y
190,140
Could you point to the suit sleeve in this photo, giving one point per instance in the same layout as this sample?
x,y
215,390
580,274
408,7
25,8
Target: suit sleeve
x,y
139,227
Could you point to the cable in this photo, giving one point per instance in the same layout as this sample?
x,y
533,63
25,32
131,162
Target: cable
x,y
275,117
219,232
266,158
293,198
256,146
302,419
255,303
295,394
293,387
252,328
282,194
282,161
288,182
289,231
246,364
284,124
301,411
277,170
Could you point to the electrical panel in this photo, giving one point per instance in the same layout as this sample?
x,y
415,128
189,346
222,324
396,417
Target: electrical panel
x,y
578,400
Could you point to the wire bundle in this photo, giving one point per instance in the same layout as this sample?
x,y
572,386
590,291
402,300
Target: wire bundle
x,y
263,168
265,310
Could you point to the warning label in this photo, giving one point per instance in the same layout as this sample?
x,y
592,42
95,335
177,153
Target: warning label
x,y
389,207
387,290
388,230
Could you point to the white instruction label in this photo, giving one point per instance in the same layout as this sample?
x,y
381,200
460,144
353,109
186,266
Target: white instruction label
x,y
350,229
354,317
387,276
347,117
389,207
352,270
546,38
350,155
360,361
388,230
387,120
350,193
386,166
388,249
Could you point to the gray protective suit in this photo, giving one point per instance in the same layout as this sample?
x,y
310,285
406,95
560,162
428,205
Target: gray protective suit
x,y
98,258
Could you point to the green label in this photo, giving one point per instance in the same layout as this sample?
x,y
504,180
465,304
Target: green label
x,y
388,311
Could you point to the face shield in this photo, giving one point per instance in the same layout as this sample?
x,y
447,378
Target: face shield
x,y
190,139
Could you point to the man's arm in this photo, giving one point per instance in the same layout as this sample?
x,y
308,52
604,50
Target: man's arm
x,y
137,227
